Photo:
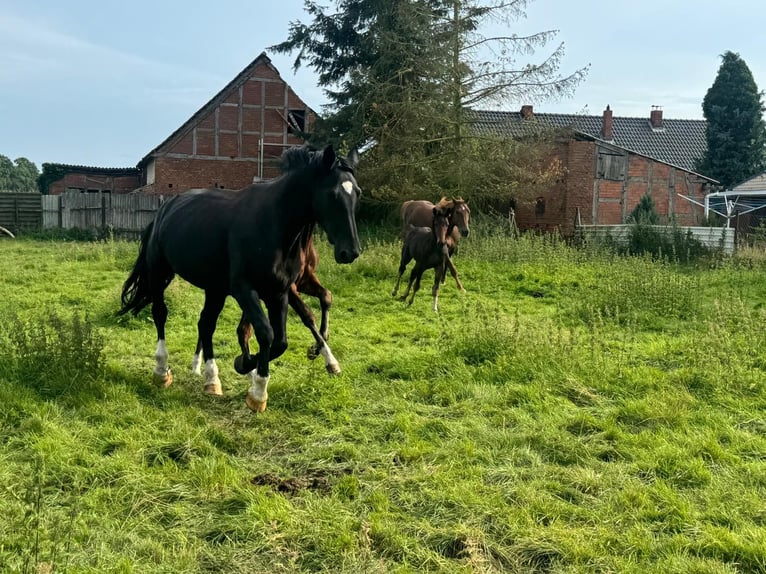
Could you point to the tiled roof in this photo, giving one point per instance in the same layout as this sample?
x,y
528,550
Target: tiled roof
x,y
678,142
114,171
755,183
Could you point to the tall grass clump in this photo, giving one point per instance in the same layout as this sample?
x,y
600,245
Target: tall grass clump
x,y
640,291
52,355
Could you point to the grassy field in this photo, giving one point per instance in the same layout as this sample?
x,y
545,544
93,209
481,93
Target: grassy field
x,y
572,412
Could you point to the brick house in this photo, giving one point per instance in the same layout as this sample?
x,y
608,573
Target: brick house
x,y
236,137
609,163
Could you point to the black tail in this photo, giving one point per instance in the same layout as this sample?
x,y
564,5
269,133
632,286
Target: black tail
x,y
135,292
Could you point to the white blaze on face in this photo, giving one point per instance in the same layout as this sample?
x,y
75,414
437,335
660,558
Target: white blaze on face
x,y
348,186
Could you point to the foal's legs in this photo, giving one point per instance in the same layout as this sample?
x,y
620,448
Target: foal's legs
x,y
453,271
208,318
303,311
405,259
439,273
415,275
310,285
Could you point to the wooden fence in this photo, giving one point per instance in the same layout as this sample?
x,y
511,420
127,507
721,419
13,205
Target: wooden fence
x,y
125,215
711,237
20,211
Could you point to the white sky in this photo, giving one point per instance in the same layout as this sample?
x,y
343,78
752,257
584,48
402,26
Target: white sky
x,y
103,83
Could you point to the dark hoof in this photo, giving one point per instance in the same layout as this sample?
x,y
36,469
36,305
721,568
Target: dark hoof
x,y
312,352
242,366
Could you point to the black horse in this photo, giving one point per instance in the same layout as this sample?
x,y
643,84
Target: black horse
x,y
246,244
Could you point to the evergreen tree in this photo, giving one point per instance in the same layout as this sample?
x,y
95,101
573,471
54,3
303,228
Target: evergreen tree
x,y
736,132
401,72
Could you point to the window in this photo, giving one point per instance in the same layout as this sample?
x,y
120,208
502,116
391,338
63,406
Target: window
x,y
611,166
296,121
540,206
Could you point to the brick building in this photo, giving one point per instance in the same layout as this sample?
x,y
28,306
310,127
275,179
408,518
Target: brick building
x,y
236,137
609,164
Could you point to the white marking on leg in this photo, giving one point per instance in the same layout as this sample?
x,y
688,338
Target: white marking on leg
x,y
161,356
436,306
196,368
258,387
330,362
212,382
348,186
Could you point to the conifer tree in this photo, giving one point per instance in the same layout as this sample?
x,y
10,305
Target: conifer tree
x,y
736,132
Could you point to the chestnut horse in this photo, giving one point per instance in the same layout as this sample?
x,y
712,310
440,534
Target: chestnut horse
x,y
418,212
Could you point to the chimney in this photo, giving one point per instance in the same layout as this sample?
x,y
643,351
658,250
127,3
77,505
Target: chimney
x,y
655,118
526,112
606,125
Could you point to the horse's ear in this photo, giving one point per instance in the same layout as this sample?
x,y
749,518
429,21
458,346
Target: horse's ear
x,y
328,158
353,158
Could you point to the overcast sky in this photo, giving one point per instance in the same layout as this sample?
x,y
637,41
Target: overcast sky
x,y
103,83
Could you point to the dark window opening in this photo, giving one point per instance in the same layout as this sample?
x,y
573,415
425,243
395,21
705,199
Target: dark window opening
x,y
93,190
170,186
611,166
540,206
296,121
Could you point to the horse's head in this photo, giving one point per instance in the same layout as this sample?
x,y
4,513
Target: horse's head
x,y
461,216
335,202
441,224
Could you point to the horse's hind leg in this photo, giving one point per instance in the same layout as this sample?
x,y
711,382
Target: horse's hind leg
x,y
453,271
208,318
310,285
162,373
405,259
414,283
303,311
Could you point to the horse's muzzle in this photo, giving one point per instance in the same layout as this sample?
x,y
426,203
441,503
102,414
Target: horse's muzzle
x,y
346,255
464,232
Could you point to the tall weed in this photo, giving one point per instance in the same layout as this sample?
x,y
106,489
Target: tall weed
x,y
54,356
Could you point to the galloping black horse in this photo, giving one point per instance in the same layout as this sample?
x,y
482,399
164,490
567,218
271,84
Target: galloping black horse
x,y
246,244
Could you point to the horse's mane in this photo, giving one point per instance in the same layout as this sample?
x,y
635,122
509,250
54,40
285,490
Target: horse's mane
x,y
445,203
298,157
306,156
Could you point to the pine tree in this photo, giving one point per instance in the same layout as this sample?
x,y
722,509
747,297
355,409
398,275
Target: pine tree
x,y
736,132
402,72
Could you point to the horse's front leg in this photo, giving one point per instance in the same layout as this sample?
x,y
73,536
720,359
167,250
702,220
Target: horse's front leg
x,y
257,366
303,311
439,273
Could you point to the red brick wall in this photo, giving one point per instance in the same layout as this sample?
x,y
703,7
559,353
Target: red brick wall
x,y
86,181
614,199
176,175
224,146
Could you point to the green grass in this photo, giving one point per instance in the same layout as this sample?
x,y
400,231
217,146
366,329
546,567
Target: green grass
x,y
572,412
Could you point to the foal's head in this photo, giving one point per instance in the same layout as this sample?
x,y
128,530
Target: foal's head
x,y
440,225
